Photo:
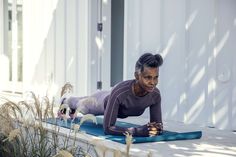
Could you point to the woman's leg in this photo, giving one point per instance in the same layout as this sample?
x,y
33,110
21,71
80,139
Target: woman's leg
x,y
93,104
65,91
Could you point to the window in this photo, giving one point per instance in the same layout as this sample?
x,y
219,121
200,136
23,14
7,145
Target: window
x,y
15,51
13,41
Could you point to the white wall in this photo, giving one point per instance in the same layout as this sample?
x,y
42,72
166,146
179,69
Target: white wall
x,y
56,49
60,45
196,39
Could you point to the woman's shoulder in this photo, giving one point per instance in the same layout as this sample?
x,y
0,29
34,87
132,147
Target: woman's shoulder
x,y
123,86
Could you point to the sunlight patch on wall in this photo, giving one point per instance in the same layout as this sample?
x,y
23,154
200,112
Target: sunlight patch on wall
x,y
202,50
104,19
182,98
70,63
105,1
198,76
193,71
211,86
221,44
174,110
223,122
210,59
212,35
99,42
169,45
195,109
221,108
190,20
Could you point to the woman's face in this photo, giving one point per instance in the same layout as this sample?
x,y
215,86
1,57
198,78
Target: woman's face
x,y
148,79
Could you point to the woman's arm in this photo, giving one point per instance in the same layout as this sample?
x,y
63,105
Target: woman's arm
x,y
110,116
156,116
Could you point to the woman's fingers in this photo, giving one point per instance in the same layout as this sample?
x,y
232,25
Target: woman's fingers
x,y
154,128
152,131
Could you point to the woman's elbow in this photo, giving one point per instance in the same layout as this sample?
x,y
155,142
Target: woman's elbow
x,y
106,130
109,130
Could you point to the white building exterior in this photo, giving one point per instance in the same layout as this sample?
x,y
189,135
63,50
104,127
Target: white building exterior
x,y
197,39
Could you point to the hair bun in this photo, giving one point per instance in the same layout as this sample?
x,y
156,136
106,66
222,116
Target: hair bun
x,y
159,59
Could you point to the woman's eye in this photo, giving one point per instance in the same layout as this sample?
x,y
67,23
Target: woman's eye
x,y
148,77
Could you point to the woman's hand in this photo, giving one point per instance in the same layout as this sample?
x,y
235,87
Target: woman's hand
x,y
155,128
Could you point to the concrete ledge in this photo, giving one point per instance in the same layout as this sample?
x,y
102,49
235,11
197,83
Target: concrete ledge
x,y
215,143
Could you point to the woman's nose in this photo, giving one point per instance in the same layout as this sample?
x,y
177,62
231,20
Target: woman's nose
x,y
154,82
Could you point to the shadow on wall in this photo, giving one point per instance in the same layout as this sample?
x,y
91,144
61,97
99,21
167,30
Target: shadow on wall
x,y
58,60
191,87
54,67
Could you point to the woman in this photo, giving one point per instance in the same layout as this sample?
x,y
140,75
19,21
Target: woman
x,y
127,98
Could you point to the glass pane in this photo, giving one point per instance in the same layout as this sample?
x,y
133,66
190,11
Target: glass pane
x,y
19,41
9,49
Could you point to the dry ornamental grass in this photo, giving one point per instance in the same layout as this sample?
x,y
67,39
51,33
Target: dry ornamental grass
x,y
22,133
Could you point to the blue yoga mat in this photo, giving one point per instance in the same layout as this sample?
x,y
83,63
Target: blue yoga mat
x,y
97,130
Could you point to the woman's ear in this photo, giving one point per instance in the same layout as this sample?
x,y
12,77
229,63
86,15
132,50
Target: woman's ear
x,y
136,75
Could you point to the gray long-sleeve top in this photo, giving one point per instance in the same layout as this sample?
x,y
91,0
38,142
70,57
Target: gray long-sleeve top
x,y
122,103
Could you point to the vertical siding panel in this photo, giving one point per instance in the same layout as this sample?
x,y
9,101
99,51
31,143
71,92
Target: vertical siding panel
x,y
224,53
197,59
173,35
84,66
211,73
60,43
106,51
132,50
233,83
70,41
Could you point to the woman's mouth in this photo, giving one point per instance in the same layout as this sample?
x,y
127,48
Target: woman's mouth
x,y
150,89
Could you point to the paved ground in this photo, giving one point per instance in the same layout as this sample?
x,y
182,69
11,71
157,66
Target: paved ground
x,y
214,143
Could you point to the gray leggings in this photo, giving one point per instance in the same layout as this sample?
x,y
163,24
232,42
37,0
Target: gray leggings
x,y
93,104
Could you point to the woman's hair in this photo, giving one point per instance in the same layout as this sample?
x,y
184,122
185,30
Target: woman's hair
x,y
148,60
